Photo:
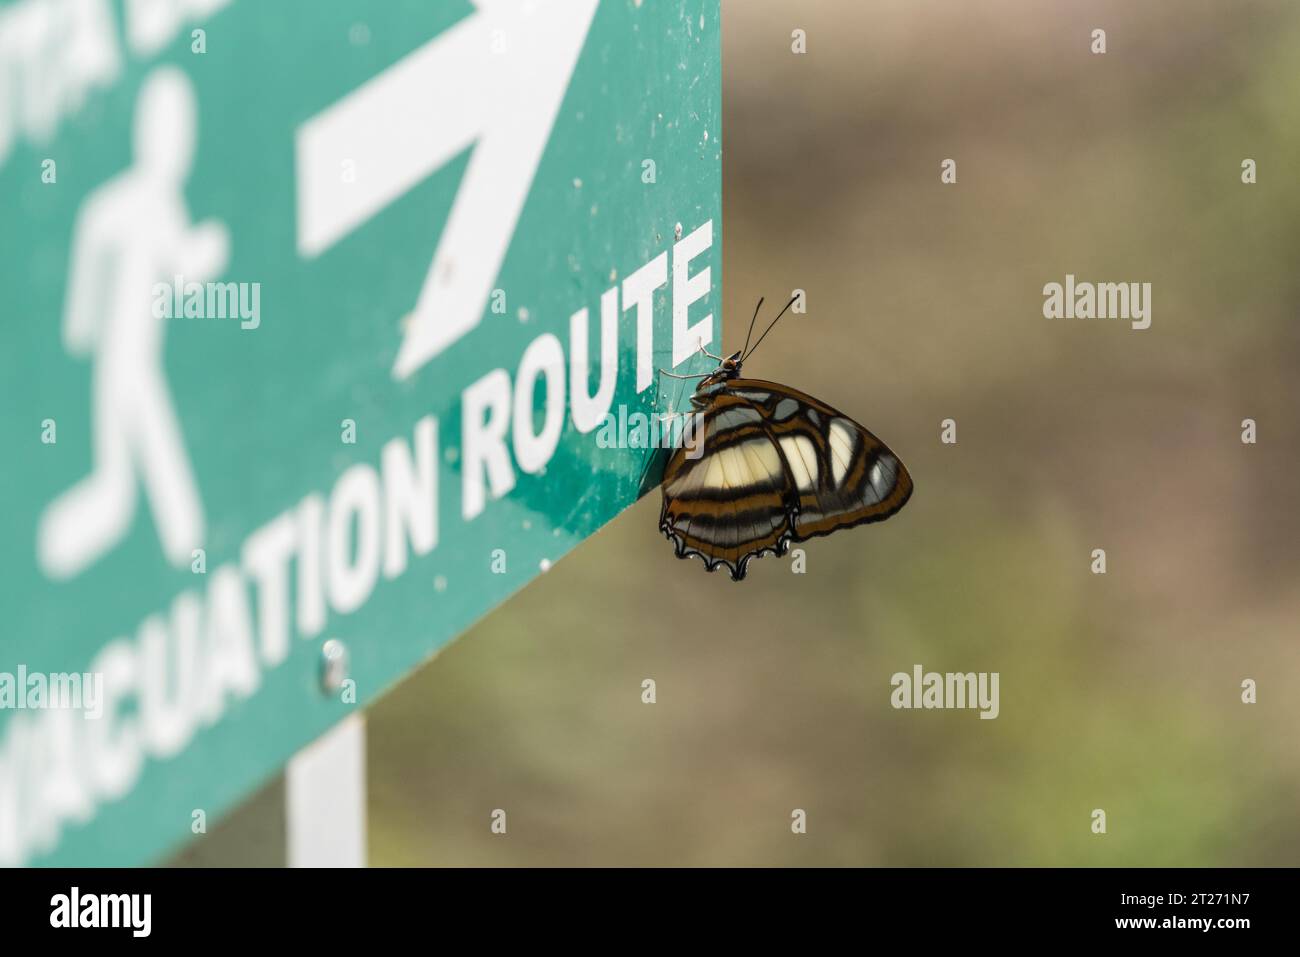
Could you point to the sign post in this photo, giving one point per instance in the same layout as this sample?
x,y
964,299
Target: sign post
x,y
325,799
322,329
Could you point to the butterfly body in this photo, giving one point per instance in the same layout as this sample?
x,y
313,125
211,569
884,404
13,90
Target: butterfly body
x,y
767,466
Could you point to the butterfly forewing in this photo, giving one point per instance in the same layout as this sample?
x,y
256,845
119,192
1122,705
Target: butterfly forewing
x,y
776,466
843,474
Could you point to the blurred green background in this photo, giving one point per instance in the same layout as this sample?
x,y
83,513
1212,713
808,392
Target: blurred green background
x,y
1120,692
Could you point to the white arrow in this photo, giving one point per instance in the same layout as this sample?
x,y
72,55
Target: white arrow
x,y
494,81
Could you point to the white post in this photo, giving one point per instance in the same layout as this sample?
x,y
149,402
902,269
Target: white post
x,y
325,799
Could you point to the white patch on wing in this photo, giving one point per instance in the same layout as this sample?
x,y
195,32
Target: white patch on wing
x,y
874,493
768,460
733,468
843,442
883,477
750,464
801,455
713,476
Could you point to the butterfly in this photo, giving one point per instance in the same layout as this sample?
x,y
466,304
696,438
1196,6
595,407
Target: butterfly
x,y
762,465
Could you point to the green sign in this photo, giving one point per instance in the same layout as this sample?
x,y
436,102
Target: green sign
x,y
322,322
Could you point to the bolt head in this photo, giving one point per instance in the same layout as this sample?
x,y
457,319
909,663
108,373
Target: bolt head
x,y
334,665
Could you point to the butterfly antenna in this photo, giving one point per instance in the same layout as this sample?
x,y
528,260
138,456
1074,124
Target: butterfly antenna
x,y
750,352
751,325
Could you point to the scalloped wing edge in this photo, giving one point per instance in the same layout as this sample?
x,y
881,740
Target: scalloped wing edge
x,y
738,570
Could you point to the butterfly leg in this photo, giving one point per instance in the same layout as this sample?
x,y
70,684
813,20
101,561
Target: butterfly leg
x,y
708,353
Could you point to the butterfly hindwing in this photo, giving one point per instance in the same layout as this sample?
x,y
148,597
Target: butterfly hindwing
x,y
776,466
727,493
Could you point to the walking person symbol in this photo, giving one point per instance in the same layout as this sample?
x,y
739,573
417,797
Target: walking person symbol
x,y
131,232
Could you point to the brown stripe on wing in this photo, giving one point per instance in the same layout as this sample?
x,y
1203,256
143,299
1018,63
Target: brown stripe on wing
x,y
723,535
767,395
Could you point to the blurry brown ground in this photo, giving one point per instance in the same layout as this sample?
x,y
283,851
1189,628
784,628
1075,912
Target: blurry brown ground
x,y
1119,692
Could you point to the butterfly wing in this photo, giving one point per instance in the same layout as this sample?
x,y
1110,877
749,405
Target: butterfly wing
x,y
770,465
727,492
842,474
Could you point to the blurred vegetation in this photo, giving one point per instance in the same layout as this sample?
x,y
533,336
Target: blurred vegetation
x,y
1119,692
